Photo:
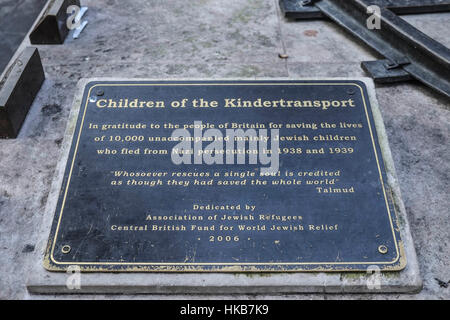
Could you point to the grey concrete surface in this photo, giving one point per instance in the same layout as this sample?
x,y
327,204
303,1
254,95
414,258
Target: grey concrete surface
x,y
208,39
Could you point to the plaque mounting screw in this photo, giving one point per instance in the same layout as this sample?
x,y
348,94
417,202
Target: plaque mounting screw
x,y
65,249
382,249
100,93
351,92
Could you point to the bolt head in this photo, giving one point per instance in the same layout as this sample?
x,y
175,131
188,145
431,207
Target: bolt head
x,y
382,249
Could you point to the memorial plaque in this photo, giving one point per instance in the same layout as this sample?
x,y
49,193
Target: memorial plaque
x,y
225,176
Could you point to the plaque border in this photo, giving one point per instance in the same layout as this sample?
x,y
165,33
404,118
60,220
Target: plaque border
x,y
50,263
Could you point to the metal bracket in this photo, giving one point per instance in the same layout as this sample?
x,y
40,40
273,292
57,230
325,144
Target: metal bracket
x,y
52,27
305,3
403,61
18,88
295,10
385,71
409,53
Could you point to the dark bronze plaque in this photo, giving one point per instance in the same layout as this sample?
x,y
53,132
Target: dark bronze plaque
x,y
128,204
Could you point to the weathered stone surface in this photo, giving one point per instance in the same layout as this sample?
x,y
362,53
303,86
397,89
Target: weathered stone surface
x,y
215,39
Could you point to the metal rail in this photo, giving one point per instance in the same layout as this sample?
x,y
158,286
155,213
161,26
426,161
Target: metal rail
x,y
305,9
409,53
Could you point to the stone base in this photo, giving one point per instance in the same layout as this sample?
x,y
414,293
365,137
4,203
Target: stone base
x,y
408,280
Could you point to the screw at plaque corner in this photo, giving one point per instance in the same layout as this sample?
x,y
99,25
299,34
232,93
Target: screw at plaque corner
x,y
65,249
100,93
351,92
382,249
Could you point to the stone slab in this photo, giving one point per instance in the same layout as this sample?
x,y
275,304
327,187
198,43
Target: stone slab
x,y
407,280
